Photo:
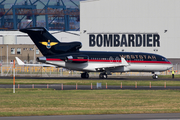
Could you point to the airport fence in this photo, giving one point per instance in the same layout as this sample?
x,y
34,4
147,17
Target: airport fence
x,y
93,86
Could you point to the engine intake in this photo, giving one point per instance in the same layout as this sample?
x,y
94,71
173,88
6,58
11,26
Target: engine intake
x,y
41,59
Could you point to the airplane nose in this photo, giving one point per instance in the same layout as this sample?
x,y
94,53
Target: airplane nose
x,y
170,66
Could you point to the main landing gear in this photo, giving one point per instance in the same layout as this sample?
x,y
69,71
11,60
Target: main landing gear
x,y
84,75
102,75
155,76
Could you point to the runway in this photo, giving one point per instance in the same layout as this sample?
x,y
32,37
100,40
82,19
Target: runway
x,y
88,87
135,78
164,116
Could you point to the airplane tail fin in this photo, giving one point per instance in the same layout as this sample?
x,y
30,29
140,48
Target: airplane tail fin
x,y
42,39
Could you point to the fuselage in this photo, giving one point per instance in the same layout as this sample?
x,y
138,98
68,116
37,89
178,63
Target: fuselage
x,y
91,61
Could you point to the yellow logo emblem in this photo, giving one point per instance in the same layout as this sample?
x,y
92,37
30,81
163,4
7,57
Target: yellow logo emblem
x,y
49,44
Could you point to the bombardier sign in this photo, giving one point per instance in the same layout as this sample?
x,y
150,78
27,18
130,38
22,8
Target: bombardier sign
x,y
124,40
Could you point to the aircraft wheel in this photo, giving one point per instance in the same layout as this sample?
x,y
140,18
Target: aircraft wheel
x,y
155,76
84,75
81,75
102,75
105,76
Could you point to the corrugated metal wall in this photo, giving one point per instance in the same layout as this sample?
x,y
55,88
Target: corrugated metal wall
x,y
135,17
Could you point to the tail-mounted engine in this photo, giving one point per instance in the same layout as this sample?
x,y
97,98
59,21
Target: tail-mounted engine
x,y
41,59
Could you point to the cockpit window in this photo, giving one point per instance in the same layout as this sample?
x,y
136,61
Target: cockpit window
x,y
164,59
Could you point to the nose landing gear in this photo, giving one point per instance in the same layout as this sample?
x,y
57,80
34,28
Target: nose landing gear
x,y
155,76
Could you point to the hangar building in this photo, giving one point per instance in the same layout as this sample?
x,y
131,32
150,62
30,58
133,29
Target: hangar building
x,y
131,25
116,25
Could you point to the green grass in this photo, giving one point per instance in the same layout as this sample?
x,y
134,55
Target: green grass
x,y
169,76
88,82
27,102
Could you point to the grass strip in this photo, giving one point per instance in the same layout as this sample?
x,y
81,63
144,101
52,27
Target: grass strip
x,y
28,102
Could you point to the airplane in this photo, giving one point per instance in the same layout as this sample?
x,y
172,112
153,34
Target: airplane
x,y
68,55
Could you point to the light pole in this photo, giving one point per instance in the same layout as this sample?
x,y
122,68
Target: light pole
x,y
1,62
1,54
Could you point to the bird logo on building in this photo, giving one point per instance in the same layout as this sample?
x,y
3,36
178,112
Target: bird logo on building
x,y
49,44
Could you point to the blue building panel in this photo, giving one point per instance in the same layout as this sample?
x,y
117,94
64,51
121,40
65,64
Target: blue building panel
x,y
60,15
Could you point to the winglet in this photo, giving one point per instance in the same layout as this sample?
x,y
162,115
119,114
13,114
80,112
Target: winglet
x,y
124,62
19,61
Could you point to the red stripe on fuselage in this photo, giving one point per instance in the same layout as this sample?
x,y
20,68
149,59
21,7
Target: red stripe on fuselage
x,y
161,62
114,61
53,59
131,61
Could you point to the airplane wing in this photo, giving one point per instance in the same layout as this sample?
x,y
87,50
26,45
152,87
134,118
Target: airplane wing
x,y
108,66
20,62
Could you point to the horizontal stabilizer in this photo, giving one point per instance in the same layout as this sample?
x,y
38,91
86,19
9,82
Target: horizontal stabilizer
x,y
20,62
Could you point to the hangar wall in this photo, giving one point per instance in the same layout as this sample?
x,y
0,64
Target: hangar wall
x,y
105,22
23,38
